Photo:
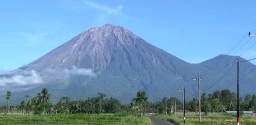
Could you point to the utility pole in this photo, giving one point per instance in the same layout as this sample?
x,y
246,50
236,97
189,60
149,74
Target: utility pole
x,y
184,107
183,98
175,105
238,96
166,106
238,100
198,79
250,35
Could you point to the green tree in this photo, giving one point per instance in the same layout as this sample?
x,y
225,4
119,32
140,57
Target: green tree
x,y
22,106
228,99
246,103
252,103
75,107
45,96
29,106
164,102
217,106
141,100
91,105
101,101
206,106
63,105
160,107
8,97
41,103
193,105
45,100
112,105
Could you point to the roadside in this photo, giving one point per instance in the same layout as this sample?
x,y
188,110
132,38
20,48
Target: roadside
x,y
157,121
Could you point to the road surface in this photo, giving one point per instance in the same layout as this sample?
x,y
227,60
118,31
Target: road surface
x,y
157,121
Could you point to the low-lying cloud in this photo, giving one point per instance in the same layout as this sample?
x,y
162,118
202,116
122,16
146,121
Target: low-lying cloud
x,y
66,73
80,71
32,77
23,78
3,72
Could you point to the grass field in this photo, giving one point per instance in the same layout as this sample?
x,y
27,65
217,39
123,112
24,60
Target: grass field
x,y
210,120
78,119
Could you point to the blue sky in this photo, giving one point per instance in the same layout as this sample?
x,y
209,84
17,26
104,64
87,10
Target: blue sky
x,y
191,30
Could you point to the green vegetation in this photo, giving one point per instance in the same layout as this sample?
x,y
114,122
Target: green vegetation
x,y
103,110
82,119
209,120
8,96
134,120
99,110
218,101
140,102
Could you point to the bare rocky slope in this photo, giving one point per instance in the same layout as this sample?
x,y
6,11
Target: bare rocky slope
x,y
112,60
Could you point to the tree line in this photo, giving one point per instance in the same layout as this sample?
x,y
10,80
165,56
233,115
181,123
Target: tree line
x,y
218,101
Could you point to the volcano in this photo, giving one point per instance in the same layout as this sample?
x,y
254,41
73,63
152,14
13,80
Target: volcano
x,y
122,62
114,61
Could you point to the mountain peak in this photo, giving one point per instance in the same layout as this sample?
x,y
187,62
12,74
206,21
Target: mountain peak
x,y
93,48
107,28
112,32
111,26
109,34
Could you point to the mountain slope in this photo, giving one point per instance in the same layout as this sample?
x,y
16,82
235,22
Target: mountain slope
x,y
112,60
222,72
122,61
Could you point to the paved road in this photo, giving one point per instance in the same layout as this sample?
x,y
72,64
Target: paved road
x,y
157,121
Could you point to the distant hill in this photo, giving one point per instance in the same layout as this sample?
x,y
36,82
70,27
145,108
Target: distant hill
x,y
112,60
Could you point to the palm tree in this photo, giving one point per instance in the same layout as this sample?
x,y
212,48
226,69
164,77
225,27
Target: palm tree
x,y
30,105
101,101
64,100
8,96
141,99
45,96
63,105
41,101
22,106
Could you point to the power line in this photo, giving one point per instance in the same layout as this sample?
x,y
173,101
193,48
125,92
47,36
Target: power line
x,y
254,28
248,60
218,80
244,76
238,43
248,48
242,46
251,70
238,81
232,83
229,71
229,52
233,48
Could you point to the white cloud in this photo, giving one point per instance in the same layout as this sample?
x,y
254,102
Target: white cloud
x,y
23,78
3,71
105,11
67,73
79,71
